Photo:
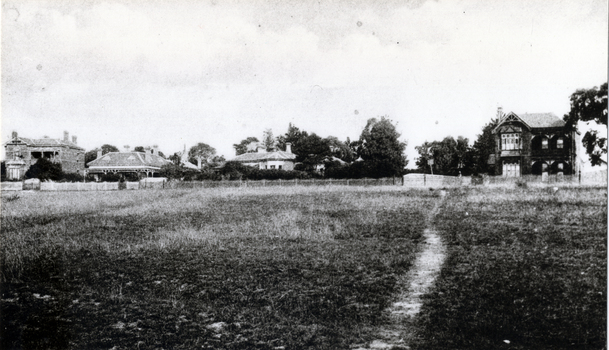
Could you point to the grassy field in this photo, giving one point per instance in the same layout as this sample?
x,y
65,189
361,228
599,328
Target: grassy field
x,y
300,268
526,269
289,268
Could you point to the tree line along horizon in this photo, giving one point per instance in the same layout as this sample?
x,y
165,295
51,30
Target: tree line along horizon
x,y
377,153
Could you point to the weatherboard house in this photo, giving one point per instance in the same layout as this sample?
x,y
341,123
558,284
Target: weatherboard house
x,y
143,164
533,144
261,159
22,152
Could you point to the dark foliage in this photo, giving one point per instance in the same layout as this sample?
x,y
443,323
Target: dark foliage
x,y
3,171
381,150
241,147
450,157
590,105
44,169
238,171
483,147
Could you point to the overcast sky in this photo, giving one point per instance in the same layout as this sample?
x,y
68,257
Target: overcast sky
x,y
178,72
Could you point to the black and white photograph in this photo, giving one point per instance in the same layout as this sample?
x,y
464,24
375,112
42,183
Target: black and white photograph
x,y
303,174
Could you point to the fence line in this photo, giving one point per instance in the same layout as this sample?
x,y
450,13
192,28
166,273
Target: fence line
x,y
598,178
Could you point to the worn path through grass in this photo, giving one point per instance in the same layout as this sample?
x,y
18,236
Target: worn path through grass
x,y
412,286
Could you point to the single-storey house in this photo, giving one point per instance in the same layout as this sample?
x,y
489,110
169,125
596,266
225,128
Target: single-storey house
x,y
283,160
144,164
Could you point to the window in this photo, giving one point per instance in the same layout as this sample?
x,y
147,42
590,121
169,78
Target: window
x,y
560,166
272,167
510,141
280,167
559,143
544,143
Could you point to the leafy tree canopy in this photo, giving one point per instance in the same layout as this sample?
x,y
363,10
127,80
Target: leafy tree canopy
x,y
241,147
381,149
449,156
590,105
201,153
483,147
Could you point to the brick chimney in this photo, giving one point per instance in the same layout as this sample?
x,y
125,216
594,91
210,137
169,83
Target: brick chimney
x,y
99,154
499,113
127,148
74,140
14,135
288,147
155,149
148,155
66,136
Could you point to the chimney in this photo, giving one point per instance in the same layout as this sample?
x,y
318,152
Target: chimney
x,y
74,140
155,149
99,154
288,147
148,155
14,134
199,163
127,148
260,149
66,136
499,113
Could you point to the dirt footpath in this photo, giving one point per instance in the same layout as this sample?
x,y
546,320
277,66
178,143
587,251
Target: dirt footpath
x,y
413,285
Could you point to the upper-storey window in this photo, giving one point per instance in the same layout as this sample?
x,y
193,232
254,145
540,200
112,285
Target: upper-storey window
x,y
510,141
559,143
544,143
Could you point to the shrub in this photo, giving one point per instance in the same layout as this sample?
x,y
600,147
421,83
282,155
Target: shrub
x,y
110,177
72,177
44,169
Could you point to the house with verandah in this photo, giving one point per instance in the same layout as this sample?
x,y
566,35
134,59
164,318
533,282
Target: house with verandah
x,y
142,164
533,144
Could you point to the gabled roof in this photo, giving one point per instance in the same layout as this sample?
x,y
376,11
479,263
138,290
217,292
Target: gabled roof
x,y
128,160
44,142
533,120
263,156
542,120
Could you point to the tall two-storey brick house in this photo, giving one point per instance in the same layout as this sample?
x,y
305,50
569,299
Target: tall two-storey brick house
x,y
22,152
533,144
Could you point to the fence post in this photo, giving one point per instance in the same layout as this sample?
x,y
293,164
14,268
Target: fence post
x,y
424,179
347,182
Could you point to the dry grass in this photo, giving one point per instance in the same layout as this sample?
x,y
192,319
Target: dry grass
x,y
294,267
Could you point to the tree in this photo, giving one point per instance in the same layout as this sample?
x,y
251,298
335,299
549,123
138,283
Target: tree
x,y
293,136
241,147
139,149
201,153
312,150
381,149
176,158
44,169
590,105
450,156
341,150
267,140
92,154
483,147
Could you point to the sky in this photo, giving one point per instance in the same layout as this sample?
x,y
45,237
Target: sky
x,y
178,72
